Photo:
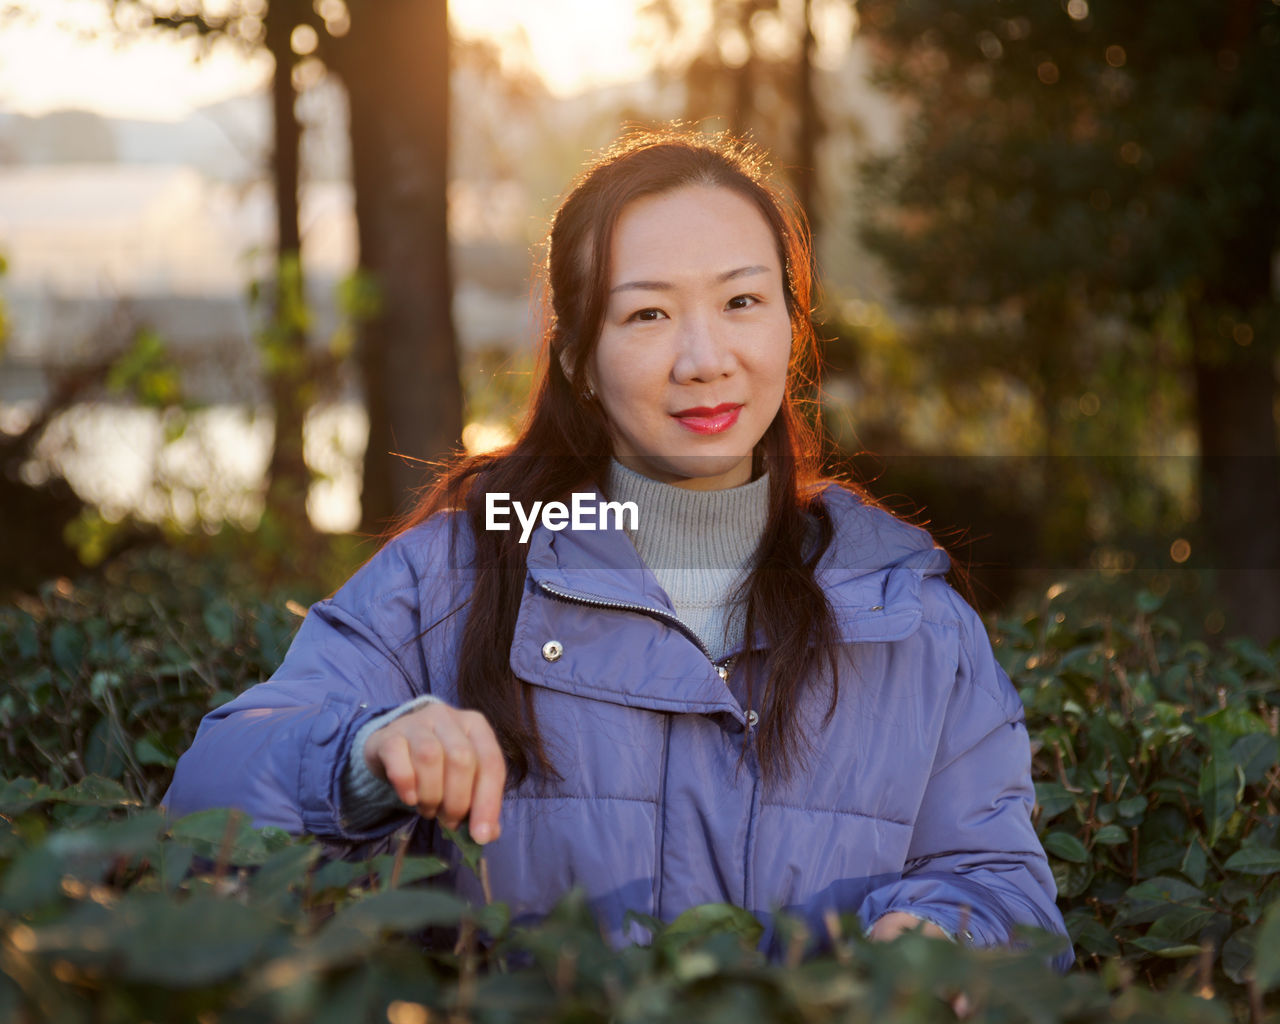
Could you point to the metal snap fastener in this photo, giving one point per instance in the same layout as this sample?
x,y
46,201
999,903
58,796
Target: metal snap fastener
x,y
722,672
752,719
552,650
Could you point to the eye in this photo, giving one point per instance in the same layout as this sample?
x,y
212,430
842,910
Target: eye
x,y
742,302
646,316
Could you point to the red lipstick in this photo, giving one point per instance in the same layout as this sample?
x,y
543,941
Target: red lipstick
x,y
703,420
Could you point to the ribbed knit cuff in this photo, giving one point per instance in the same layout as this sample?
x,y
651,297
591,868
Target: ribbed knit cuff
x,y
367,799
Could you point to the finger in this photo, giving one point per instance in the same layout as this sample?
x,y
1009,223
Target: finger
x,y
459,772
428,766
490,781
396,763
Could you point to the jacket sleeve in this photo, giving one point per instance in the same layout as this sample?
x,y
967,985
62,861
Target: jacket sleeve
x,y
279,750
975,866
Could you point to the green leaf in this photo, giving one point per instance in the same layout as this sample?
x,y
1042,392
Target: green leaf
x,y
149,752
472,852
96,791
284,870
1255,754
1151,899
1251,654
494,919
1111,835
1254,860
1053,798
32,880
710,919
401,910
1066,847
18,795
102,754
222,831
1090,934
1195,863
1131,811
412,869
1220,783
1266,969
1071,879
220,621
1165,948
67,645
1180,924
1238,953
193,942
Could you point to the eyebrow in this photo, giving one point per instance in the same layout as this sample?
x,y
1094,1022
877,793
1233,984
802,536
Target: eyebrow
x,y
666,286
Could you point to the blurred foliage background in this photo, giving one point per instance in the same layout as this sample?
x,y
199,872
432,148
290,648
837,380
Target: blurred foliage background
x,y
1048,234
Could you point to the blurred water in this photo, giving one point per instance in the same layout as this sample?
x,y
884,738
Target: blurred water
x,y
197,468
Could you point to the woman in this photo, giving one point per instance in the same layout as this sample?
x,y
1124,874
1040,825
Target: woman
x,y
760,691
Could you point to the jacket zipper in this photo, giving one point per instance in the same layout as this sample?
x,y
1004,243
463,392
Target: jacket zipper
x,y
599,602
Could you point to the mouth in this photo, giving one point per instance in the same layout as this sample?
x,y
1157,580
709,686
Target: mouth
x,y
704,420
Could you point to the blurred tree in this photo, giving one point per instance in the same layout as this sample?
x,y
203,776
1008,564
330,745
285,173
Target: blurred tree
x,y
285,344
287,365
753,70
1074,160
393,58
394,61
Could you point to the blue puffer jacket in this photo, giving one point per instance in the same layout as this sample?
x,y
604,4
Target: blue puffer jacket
x,y
916,794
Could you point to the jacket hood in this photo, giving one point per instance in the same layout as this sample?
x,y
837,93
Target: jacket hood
x,y
872,570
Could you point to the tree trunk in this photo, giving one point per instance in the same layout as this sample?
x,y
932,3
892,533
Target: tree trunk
x,y
285,341
809,127
395,64
1239,479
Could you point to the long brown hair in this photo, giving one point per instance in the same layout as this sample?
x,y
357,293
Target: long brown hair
x,y
564,446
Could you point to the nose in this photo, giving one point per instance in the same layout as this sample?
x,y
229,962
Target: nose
x,y
705,351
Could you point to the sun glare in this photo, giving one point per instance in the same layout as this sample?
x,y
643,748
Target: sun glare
x,y
59,54
572,45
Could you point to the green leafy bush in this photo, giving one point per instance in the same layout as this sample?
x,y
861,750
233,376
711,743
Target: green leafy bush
x,y
1157,784
110,677
104,921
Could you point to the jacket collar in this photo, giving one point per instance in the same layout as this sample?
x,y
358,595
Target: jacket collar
x,y
872,570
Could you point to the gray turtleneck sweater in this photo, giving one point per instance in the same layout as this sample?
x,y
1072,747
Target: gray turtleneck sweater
x,y
701,547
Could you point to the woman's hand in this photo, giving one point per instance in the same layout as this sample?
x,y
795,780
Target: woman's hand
x,y
445,762
896,922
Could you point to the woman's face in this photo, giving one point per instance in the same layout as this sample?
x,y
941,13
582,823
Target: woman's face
x,y
692,358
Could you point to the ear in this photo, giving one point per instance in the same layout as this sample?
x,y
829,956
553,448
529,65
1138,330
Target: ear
x,y
566,367
566,363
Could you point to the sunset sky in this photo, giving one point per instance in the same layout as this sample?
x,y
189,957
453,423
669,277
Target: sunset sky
x,y
65,53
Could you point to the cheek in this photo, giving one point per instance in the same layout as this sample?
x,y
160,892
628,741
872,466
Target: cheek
x,y
626,373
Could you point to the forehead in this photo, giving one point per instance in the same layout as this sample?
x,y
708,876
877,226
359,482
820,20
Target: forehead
x,y
692,231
